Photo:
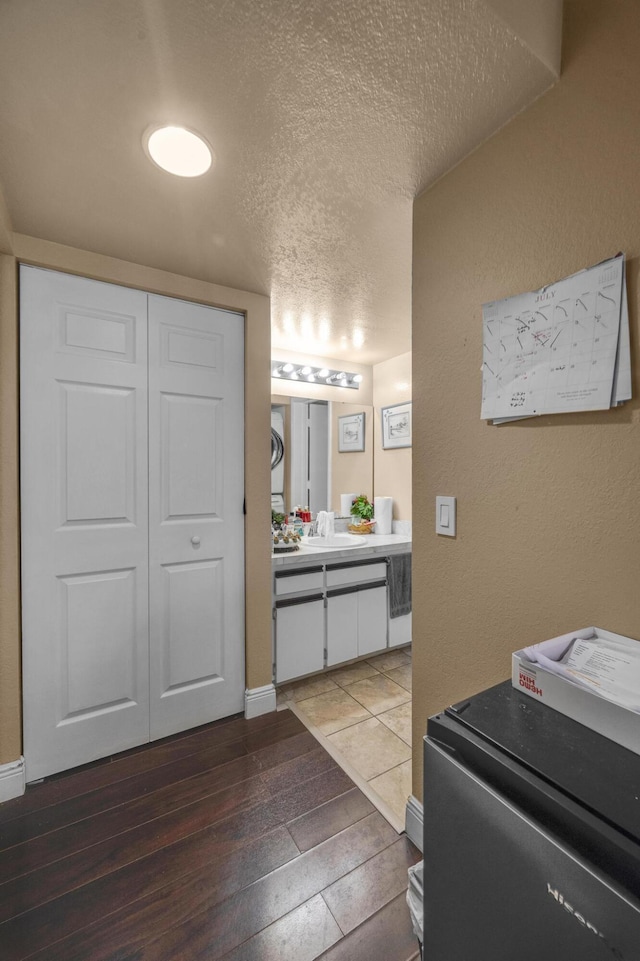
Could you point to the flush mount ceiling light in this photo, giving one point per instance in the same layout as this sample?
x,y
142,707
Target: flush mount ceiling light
x,y
315,375
178,150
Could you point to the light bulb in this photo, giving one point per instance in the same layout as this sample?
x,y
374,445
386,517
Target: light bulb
x,y
178,151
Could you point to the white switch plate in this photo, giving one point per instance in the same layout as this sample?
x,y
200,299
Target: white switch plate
x,y
446,516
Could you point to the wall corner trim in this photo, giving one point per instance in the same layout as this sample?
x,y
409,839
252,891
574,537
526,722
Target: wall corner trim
x,y
414,821
12,780
259,700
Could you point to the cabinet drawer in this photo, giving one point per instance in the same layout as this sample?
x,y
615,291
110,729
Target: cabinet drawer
x,y
340,575
297,580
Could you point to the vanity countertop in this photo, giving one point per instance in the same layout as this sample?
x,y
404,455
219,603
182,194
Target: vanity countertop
x,y
373,544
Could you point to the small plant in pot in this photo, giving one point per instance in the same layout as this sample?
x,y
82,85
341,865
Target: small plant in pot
x,y
362,513
278,520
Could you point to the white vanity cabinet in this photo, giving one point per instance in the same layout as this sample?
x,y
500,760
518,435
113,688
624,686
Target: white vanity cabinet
x,y
356,610
299,622
331,609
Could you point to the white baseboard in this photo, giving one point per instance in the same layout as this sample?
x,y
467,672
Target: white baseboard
x,y
259,700
414,821
12,780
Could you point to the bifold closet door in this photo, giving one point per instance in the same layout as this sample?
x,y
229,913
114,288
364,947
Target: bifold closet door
x,y
132,486
84,519
196,514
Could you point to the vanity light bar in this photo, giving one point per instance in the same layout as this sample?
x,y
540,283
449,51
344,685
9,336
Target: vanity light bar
x,y
315,375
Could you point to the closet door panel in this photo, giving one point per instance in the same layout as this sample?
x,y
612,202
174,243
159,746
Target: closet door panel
x,y
193,601
84,519
196,491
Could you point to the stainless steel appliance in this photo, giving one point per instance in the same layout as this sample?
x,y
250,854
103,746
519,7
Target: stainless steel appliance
x,y
532,836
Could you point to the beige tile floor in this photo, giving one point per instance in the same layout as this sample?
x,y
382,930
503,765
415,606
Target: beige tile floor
x,y
362,715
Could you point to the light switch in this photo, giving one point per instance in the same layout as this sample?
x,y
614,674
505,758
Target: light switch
x,y
446,516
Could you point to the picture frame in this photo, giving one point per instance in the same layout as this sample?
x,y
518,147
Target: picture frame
x,y
397,427
351,433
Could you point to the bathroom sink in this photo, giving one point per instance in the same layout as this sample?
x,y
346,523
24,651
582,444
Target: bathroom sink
x,y
335,540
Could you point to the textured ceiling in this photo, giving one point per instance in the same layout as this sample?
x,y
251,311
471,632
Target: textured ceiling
x,y
327,117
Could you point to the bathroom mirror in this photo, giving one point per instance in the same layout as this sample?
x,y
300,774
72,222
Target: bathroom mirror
x,y
311,470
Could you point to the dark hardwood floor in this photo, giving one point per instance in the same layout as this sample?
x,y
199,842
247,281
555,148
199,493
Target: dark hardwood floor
x,y
242,841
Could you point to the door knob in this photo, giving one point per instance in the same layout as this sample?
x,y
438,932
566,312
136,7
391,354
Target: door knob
x,y
195,540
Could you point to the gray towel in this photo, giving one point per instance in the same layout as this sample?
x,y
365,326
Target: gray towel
x,y
399,585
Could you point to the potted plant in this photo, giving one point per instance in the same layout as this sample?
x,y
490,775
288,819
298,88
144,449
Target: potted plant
x,y
278,520
362,512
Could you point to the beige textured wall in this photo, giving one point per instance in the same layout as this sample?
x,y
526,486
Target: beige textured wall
x,y
548,517
392,468
6,239
257,453
352,471
537,24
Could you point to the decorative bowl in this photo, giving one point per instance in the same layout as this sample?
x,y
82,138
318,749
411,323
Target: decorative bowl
x,y
363,527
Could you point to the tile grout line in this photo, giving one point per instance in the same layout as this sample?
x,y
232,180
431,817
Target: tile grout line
x,y
328,907
379,803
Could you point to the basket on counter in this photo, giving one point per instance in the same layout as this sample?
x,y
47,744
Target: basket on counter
x,y
285,541
363,527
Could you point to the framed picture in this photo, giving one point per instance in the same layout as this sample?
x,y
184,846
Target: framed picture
x,y
396,426
350,433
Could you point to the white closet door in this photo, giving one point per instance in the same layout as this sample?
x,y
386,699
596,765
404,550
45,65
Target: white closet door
x,y
84,519
196,522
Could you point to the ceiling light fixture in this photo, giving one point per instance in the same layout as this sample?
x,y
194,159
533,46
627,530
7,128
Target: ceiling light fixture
x,y
178,151
334,378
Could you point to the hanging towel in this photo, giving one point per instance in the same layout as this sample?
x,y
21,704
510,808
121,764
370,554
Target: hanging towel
x,y
399,585
326,523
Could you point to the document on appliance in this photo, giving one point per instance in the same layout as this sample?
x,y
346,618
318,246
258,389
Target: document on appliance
x,y
562,348
608,667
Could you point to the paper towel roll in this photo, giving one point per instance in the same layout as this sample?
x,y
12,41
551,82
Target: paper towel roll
x,y
346,500
383,514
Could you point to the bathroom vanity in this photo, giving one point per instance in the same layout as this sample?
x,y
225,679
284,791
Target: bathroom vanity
x,y
331,605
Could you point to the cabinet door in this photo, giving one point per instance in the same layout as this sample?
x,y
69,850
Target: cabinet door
x,y
372,619
400,630
84,519
342,627
299,637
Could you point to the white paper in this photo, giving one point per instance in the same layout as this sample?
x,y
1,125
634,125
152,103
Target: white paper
x,y
607,667
562,348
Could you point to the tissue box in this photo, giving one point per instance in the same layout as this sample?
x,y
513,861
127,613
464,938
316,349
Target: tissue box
x,y
617,723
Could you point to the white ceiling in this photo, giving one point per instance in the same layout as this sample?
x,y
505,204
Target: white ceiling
x,y
327,118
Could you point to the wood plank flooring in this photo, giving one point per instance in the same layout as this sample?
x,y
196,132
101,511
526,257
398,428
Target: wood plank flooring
x,y
240,841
